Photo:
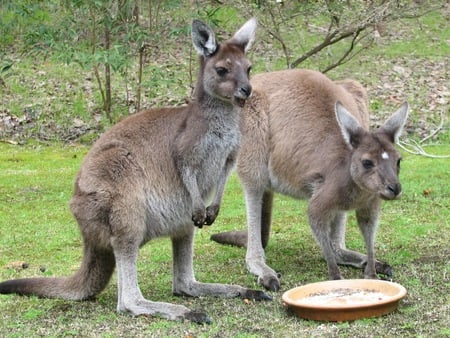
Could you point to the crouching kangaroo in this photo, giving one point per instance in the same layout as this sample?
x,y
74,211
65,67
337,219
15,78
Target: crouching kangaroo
x,y
153,175
306,136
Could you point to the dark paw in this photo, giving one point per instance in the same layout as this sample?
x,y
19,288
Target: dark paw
x,y
255,295
211,214
198,217
198,224
197,317
384,269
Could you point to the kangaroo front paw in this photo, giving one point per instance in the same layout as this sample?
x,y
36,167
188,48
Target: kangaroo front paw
x,y
211,214
199,217
197,317
255,295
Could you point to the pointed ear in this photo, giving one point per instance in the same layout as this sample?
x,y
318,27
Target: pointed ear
x,y
245,36
394,126
203,38
350,127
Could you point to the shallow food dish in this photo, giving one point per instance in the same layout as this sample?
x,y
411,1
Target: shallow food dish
x,y
343,300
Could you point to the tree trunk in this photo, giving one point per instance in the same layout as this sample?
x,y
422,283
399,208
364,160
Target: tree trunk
x,y
107,73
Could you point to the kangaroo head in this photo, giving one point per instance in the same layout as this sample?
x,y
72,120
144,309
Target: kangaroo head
x,y
225,69
375,163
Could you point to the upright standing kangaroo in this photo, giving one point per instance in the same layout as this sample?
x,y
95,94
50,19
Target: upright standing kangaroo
x,y
299,140
153,175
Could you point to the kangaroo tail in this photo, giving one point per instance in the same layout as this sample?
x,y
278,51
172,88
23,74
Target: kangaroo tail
x,y
239,238
236,238
92,277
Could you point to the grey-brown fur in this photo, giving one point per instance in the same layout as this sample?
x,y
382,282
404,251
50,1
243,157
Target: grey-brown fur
x,y
299,141
157,173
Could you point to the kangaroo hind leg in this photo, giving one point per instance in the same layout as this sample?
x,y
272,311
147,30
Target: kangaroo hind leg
x,y
240,237
184,282
258,223
128,234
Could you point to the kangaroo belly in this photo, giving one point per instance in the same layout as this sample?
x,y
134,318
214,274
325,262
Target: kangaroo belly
x,y
294,186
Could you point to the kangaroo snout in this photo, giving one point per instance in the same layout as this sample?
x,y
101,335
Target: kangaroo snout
x,y
242,94
392,191
246,91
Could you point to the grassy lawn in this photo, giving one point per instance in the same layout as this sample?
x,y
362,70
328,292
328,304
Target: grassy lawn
x,y
37,228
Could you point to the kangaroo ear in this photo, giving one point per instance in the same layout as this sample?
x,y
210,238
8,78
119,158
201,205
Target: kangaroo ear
x,y
350,127
245,36
203,38
394,125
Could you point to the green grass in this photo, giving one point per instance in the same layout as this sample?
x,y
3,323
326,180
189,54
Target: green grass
x,y
36,227
424,38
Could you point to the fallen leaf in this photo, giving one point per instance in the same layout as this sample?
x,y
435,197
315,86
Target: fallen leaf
x,y
427,192
18,265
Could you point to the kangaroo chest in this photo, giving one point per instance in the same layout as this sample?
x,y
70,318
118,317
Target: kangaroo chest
x,y
216,149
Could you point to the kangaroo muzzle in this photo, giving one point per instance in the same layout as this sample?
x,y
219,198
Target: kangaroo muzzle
x,y
392,191
243,93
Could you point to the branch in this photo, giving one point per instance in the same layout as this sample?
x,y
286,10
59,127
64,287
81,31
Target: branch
x,y
277,36
414,148
95,66
345,57
337,30
437,130
341,33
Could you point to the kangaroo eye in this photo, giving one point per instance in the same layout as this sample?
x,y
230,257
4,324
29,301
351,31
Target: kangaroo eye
x,y
248,70
221,71
367,164
398,162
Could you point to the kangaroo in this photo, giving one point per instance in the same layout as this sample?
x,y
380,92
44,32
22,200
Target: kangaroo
x,y
308,137
158,173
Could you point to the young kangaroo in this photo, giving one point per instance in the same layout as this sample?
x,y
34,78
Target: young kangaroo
x,y
157,173
306,136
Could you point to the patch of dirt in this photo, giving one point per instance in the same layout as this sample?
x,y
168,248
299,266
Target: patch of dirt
x,y
422,82
430,259
15,129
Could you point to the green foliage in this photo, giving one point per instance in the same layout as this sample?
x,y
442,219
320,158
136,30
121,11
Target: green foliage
x,y
25,17
129,71
103,36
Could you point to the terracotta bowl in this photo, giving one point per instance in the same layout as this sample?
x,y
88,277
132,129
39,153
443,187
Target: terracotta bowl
x,y
344,300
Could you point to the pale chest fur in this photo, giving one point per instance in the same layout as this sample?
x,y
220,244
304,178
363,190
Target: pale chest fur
x,y
218,146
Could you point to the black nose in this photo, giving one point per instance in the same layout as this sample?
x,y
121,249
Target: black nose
x,y
246,90
395,188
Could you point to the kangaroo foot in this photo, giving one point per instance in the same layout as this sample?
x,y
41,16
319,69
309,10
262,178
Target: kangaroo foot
x,y
197,317
270,283
255,295
384,269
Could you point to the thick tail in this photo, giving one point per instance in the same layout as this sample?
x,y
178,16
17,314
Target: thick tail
x,y
236,238
92,277
239,238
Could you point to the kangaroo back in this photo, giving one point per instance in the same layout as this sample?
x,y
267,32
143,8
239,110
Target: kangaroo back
x,y
307,136
300,105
